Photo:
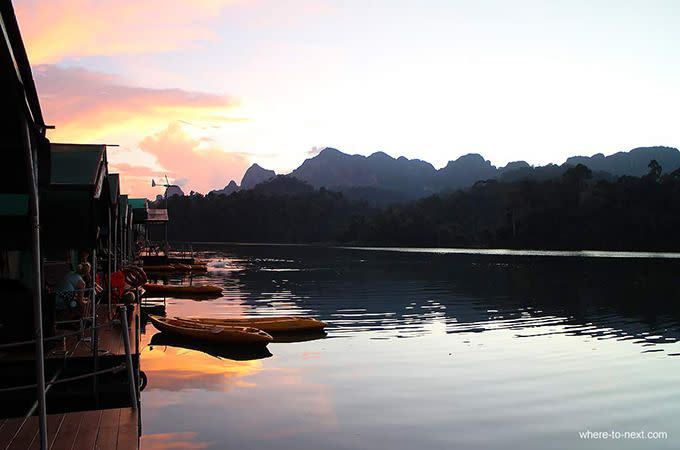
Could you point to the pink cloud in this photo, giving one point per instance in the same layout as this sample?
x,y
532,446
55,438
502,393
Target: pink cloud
x,y
57,29
202,169
86,105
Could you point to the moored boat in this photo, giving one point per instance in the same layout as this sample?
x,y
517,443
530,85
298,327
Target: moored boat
x,y
169,289
176,268
211,333
280,324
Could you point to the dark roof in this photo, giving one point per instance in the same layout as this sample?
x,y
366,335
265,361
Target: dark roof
x,y
20,110
78,164
13,57
157,215
123,208
114,187
138,206
21,116
75,208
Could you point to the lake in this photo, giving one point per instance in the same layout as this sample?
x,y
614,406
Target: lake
x,y
427,350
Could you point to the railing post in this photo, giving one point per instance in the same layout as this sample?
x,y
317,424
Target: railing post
x,y
108,266
34,212
93,298
137,376
95,362
128,357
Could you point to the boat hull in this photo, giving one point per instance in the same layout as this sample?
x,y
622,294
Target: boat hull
x,y
211,333
284,324
176,268
207,290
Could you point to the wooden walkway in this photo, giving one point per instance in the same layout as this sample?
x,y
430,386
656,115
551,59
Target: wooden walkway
x,y
108,429
110,341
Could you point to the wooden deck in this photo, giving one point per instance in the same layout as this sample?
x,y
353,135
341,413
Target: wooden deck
x,y
108,429
109,341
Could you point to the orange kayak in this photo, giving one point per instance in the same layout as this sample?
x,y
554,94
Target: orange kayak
x,y
169,289
280,324
211,333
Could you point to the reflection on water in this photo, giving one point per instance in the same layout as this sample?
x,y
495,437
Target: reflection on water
x,y
424,350
233,352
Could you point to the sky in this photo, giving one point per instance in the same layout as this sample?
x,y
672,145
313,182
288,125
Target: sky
x,y
199,90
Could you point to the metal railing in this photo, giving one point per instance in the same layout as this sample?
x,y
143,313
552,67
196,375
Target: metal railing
x,y
133,384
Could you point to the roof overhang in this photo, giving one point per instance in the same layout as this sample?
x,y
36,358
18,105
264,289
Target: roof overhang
x,y
75,208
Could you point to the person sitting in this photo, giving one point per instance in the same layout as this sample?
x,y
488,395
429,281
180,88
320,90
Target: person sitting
x,y
70,291
87,277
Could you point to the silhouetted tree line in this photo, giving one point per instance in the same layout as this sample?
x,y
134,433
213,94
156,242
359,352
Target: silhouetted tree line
x,y
573,211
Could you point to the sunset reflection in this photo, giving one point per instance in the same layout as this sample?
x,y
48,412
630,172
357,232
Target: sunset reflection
x,y
173,369
176,441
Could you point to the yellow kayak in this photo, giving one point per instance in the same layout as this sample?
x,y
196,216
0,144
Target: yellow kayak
x,y
281,324
168,289
211,333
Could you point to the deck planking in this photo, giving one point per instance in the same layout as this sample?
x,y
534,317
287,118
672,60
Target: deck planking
x,y
108,429
54,422
88,430
25,435
68,431
8,430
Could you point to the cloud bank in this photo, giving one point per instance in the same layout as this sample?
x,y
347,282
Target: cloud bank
x,y
58,29
87,105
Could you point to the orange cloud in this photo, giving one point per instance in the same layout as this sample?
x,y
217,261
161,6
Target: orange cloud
x,y
134,171
184,157
138,186
87,106
57,29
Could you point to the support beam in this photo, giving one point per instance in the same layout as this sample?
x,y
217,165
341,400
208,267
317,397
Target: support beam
x,y
93,302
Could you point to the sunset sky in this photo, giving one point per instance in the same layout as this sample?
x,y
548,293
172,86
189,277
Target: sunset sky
x,y
200,89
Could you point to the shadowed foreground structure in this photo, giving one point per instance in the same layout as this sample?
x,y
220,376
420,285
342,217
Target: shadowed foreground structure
x,y
114,429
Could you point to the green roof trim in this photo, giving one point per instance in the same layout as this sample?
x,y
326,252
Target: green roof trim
x,y
137,203
13,204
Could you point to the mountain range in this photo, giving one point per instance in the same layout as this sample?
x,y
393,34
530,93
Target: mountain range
x,y
381,178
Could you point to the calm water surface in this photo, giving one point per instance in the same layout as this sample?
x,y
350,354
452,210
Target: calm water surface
x,y
426,351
